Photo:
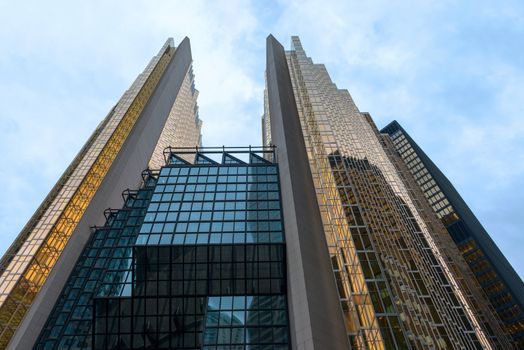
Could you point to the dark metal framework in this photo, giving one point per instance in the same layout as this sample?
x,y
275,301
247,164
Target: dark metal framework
x,y
194,260
267,152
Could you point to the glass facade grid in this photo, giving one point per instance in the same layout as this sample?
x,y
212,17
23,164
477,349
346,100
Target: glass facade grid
x,y
28,263
209,205
198,263
183,124
361,324
104,268
430,182
365,203
257,320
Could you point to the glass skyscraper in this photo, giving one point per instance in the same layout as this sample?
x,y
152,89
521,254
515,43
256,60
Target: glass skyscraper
x,y
498,279
159,109
319,239
400,281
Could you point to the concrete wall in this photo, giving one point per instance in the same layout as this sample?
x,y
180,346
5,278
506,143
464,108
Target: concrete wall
x,y
314,308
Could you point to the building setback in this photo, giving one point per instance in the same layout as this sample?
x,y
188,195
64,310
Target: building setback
x,y
498,279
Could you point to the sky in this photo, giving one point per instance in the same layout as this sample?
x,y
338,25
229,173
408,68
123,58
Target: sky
x,y
452,73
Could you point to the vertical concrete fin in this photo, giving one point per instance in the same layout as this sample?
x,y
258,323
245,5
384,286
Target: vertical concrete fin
x,y
315,316
124,172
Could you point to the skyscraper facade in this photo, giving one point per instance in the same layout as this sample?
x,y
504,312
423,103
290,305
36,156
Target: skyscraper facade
x,y
130,138
194,260
319,239
497,278
399,279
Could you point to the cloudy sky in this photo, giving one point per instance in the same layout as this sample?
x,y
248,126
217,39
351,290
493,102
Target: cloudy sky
x,y
452,74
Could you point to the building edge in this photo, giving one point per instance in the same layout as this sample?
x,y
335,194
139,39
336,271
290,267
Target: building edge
x,y
125,172
506,274
514,282
315,318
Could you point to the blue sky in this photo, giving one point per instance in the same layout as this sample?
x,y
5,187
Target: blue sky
x,y
452,73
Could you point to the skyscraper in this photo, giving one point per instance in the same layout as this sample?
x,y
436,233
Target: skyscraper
x,y
319,239
496,276
158,109
400,280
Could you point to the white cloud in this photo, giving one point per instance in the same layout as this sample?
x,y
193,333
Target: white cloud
x,y
449,73
64,65
436,66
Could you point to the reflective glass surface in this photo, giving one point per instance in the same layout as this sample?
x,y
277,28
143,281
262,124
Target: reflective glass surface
x,y
26,266
194,260
466,233
256,320
103,269
383,246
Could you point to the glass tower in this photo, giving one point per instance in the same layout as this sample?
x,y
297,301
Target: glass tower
x,y
399,280
497,278
194,260
158,109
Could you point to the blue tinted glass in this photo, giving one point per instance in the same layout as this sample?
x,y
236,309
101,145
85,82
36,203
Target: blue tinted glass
x,y
193,247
